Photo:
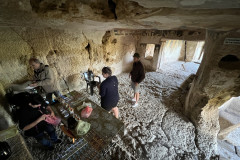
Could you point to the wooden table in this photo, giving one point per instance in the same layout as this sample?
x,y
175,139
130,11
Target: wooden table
x,y
104,126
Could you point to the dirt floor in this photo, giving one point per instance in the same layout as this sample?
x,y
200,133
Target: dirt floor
x,y
156,129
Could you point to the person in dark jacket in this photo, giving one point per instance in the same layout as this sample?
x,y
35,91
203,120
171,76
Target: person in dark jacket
x,y
137,76
32,121
109,91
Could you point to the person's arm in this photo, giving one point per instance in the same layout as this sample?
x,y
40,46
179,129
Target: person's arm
x,y
102,90
34,77
51,111
34,84
116,80
48,78
130,74
33,124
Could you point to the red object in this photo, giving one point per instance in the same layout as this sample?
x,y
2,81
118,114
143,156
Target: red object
x,y
52,120
86,112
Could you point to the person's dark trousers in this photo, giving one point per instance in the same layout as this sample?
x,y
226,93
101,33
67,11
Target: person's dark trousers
x,y
52,134
49,96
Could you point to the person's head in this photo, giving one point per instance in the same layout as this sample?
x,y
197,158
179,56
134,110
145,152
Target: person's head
x,y
106,72
34,63
35,100
136,57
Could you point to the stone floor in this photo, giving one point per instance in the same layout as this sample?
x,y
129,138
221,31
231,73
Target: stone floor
x,y
156,129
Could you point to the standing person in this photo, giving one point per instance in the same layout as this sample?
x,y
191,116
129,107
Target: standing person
x,y
109,92
137,76
32,121
44,77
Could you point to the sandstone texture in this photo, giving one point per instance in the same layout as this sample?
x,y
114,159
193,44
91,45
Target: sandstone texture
x,y
74,36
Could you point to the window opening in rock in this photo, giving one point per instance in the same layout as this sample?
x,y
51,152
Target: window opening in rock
x,y
149,51
230,62
229,58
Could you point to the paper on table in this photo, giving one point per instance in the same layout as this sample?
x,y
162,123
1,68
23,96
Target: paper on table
x,y
29,87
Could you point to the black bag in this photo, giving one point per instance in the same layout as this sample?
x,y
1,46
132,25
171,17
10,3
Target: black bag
x,y
5,150
72,123
20,99
17,101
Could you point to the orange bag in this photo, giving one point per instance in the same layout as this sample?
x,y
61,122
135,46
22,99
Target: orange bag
x,y
86,112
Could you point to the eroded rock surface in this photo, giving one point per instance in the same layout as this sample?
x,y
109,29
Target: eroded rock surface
x,y
72,36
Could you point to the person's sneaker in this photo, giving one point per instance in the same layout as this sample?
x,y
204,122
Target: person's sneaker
x,y
51,148
135,105
58,141
134,100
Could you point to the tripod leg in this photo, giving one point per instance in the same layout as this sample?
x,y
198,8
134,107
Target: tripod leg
x,y
91,89
87,88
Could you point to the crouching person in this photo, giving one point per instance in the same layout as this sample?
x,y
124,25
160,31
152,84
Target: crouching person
x,y
32,121
109,92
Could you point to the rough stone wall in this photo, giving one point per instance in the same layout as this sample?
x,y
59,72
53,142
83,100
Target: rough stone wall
x,y
190,50
123,48
71,53
68,53
69,36
101,15
211,88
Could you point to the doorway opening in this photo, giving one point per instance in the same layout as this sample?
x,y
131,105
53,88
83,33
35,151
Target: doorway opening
x,y
180,55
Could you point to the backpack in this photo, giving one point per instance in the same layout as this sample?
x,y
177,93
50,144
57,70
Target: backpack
x,y
20,99
17,101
